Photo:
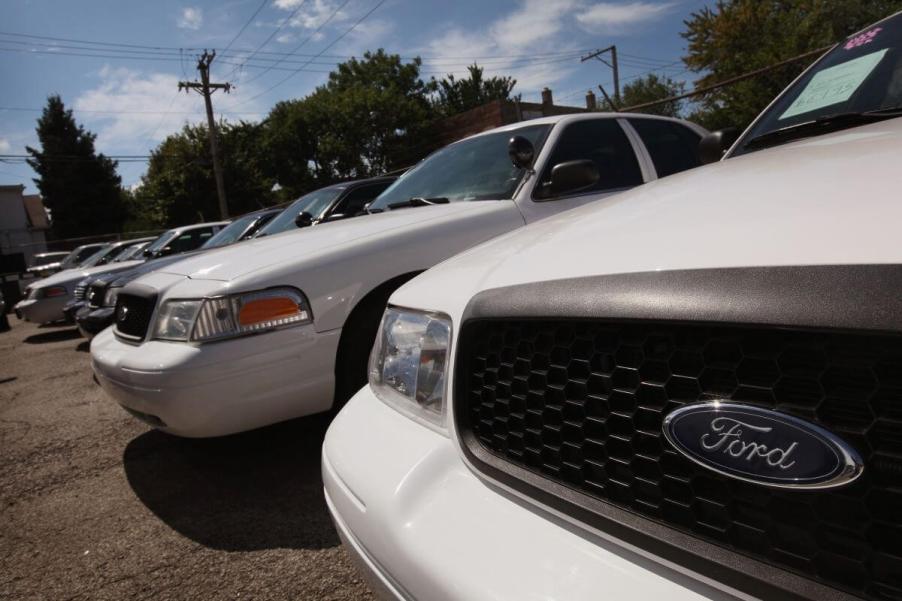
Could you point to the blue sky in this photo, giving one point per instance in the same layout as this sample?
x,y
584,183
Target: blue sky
x,y
126,91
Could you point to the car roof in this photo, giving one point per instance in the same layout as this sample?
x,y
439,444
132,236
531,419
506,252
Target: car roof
x,y
555,119
185,228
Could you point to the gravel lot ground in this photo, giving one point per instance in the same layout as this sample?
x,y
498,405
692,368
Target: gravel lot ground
x,y
94,505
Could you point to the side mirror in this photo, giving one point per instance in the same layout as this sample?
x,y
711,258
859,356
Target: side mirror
x,y
713,145
304,219
521,152
147,253
573,176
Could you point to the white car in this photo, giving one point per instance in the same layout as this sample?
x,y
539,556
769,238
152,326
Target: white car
x,y
281,327
46,299
694,392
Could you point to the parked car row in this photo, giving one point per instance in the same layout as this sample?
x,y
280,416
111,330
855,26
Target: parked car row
x,y
569,360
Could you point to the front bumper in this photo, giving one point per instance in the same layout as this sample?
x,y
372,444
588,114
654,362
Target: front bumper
x,y
41,310
93,321
422,525
72,308
221,387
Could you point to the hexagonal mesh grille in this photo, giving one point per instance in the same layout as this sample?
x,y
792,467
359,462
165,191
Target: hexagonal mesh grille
x,y
582,404
135,319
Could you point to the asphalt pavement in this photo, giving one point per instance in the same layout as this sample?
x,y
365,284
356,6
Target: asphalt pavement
x,y
95,505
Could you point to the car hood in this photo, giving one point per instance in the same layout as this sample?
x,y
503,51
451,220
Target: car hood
x,y
832,199
75,275
228,263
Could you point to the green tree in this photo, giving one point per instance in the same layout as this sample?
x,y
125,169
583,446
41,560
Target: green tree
x,y
289,143
737,36
179,187
79,186
372,116
458,95
651,88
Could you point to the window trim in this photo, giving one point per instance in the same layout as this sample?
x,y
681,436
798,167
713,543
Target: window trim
x,y
639,154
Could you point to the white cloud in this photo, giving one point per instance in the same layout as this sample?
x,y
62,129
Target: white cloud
x,y
132,111
311,14
607,16
536,27
5,146
192,17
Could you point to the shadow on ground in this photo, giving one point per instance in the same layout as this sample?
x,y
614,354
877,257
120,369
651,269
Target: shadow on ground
x,y
53,336
259,490
83,347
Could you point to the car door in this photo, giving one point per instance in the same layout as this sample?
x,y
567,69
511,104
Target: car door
x,y
605,142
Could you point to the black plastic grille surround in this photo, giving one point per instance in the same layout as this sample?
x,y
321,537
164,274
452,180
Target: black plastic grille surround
x,y
133,314
95,294
581,403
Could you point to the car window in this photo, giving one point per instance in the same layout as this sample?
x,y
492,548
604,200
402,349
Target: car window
x,y
87,252
672,147
357,198
311,203
190,240
230,233
476,168
602,141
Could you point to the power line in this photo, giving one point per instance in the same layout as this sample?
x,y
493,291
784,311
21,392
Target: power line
x,y
299,46
335,41
177,49
731,80
269,39
123,112
243,27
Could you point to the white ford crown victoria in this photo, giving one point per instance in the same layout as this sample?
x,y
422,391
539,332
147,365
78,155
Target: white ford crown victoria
x,y
694,392
282,326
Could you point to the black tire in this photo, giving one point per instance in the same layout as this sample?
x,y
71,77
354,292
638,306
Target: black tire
x,y
354,351
357,337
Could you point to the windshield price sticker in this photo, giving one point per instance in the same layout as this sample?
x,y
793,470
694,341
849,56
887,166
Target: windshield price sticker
x,y
833,85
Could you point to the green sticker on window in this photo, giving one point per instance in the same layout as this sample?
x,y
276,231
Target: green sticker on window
x,y
833,85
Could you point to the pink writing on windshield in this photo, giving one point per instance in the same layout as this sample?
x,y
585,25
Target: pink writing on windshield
x,y
862,39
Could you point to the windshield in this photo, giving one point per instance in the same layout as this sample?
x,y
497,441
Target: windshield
x,y
314,203
162,241
130,252
231,232
475,169
101,256
862,74
70,260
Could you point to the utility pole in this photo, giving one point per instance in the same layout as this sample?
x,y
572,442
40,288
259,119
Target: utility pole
x,y
615,68
206,89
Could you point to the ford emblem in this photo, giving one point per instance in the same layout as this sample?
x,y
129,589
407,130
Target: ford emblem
x,y
761,446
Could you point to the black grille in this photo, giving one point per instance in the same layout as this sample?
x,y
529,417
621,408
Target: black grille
x,y
79,292
133,314
95,294
582,403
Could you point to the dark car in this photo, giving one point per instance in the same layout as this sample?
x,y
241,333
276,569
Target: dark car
x,y
331,203
100,293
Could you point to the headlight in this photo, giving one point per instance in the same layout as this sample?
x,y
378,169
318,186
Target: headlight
x,y
203,320
409,362
175,320
112,294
